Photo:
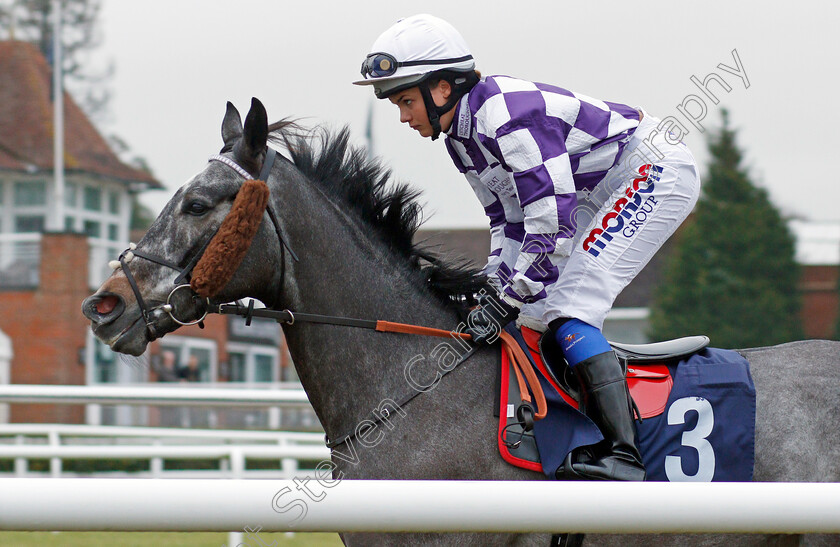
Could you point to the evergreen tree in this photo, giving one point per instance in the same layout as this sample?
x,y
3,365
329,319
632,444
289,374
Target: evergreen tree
x,y
733,275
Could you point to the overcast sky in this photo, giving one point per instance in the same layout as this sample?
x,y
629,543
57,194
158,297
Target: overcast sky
x,y
179,61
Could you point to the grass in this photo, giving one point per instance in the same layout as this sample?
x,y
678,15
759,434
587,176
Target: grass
x,y
166,539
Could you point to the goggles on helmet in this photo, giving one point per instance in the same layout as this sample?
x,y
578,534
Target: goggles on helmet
x,y
381,65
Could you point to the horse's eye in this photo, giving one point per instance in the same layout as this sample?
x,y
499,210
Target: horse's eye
x,y
196,208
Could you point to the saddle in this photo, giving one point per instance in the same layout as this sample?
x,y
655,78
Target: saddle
x,y
645,367
648,377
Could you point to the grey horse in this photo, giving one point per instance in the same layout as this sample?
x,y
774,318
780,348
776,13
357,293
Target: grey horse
x,y
351,230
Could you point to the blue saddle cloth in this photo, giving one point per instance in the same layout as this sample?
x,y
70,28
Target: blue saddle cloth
x,y
706,432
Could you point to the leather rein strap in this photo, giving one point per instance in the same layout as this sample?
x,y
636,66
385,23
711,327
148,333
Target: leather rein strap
x,y
290,318
525,374
522,366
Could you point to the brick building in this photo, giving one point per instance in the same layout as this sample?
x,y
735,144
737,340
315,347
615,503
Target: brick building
x,y
818,252
42,275
49,265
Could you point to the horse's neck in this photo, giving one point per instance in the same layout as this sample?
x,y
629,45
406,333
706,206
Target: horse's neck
x,y
347,371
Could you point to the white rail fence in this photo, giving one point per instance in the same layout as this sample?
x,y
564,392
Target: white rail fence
x,y
235,455
273,398
232,449
291,448
316,502
158,395
428,506
69,432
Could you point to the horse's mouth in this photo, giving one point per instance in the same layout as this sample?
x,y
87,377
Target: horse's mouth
x,y
132,339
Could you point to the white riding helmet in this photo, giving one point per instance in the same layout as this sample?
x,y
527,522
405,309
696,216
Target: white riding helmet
x,y
410,51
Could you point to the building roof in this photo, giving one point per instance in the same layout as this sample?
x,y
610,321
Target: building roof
x,y
26,123
457,244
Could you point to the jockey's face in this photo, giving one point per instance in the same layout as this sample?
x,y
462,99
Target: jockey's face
x,y
413,109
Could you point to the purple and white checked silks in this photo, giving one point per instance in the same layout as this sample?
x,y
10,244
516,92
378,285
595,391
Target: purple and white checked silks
x,y
553,144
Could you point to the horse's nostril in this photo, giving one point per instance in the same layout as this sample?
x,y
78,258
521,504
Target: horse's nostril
x,y
106,305
102,308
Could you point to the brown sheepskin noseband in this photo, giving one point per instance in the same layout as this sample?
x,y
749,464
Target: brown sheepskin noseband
x,y
228,247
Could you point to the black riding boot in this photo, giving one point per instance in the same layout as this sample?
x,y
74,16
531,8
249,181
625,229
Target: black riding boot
x,y
608,405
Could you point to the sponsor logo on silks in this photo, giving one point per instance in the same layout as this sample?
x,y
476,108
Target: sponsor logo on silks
x,y
571,340
629,213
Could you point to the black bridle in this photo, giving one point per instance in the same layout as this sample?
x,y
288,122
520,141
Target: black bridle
x,y
150,314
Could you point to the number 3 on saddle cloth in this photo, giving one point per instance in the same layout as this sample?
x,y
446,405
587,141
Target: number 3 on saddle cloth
x,y
698,411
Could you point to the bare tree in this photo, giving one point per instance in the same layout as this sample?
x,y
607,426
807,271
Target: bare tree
x,y
31,21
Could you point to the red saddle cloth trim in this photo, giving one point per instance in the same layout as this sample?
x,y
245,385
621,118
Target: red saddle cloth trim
x,y
649,384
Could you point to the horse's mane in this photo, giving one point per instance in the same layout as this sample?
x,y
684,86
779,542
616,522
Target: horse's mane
x,y
391,210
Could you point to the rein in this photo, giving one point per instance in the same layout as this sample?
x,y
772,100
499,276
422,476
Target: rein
x,y
373,418
290,318
521,363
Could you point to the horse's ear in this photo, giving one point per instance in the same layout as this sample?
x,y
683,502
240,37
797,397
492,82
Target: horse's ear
x,y
231,125
251,148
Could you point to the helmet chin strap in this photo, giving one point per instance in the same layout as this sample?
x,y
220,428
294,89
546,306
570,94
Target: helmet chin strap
x,y
434,111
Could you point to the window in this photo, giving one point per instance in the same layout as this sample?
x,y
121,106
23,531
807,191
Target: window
x,y
92,198
114,202
252,363
195,358
200,359
29,223
70,193
263,368
191,364
104,364
238,363
30,193
113,232
69,224
92,228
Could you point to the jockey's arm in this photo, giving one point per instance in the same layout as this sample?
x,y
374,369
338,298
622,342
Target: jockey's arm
x,y
546,194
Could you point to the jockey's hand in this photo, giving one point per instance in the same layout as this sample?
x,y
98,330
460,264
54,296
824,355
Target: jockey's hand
x,y
486,321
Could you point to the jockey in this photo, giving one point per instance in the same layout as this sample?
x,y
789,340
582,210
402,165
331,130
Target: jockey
x,y
580,194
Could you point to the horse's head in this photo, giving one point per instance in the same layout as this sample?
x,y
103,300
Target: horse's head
x,y
149,293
